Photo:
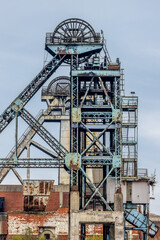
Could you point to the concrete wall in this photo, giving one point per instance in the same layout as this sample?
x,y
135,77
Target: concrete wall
x,y
65,141
94,217
136,195
56,222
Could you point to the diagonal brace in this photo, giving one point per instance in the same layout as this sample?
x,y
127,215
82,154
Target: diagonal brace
x,y
93,143
106,93
86,92
97,191
42,132
8,115
96,139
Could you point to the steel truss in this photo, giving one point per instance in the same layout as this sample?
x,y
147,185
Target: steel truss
x,y
8,115
86,126
98,131
78,101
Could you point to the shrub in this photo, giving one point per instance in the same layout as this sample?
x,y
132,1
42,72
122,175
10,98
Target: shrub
x,y
28,236
95,237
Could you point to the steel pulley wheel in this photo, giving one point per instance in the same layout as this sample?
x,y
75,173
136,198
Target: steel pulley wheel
x,y
74,30
59,86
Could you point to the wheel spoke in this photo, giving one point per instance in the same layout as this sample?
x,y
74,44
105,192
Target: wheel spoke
x,y
81,31
65,31
76,29
85,33
61,34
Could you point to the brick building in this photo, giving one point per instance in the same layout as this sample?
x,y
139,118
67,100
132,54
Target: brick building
x,y
44,209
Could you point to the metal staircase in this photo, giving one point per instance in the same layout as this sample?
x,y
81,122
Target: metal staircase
x,y
140,221
8,115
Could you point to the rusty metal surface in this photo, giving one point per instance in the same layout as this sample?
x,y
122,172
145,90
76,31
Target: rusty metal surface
x,y
35,203
113,67
36,188
36,194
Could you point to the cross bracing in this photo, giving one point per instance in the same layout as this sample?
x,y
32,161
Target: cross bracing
x,y
103,123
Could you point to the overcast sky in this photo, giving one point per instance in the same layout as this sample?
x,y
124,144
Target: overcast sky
x,y
131,28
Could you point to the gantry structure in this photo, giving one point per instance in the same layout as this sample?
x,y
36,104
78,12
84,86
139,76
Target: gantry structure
x,y
97,153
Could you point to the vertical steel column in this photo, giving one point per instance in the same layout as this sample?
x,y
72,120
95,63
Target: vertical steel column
x,y
105,168
16,136
83,190
28,156
117,107
74,125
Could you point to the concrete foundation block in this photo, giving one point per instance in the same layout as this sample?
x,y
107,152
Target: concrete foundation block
x,y
74,200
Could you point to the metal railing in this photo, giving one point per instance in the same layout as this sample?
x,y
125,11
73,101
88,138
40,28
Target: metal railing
x,y
130,101
142,172
128,139
131,155
54,93
97,39
131,171
131,120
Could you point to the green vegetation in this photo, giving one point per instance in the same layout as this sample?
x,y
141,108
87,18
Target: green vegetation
x,y
95,237
28,236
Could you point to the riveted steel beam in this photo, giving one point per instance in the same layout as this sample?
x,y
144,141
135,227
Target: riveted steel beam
x,y
96,139
32,163
23,98
44,134
96,190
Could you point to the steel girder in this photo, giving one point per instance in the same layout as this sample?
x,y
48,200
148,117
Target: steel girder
x,y
8,115
17,106
22,144
44,134
81,155
111,116
12,110
31,163
89,162
108,114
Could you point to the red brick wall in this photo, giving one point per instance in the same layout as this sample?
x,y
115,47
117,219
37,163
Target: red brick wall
x,y
62,237
19,222
65,199
4,227
92,229
158,233
136,235
13,201
53,202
